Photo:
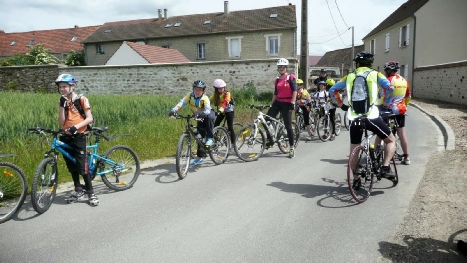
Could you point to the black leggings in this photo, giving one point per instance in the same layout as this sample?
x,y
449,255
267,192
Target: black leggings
x,y
229,116
284,109
332,116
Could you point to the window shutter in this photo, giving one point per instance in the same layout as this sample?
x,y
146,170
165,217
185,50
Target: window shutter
x,y
407,34
400,36
406,71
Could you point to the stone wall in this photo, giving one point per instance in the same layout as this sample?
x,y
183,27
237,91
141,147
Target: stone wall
x,y
445,82
174,78
28,78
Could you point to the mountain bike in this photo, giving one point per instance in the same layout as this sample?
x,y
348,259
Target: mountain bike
x,y
299,119
118,167
236,125
13,188
251,140
218,151
365,164
324,123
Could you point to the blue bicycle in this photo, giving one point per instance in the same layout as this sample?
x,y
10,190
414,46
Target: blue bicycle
x,y
118,167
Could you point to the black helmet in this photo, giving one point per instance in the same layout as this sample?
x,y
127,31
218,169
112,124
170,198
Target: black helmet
x,y
392,65
200,84
323,70
364,58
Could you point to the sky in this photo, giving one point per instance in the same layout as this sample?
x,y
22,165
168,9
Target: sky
x,y
329,21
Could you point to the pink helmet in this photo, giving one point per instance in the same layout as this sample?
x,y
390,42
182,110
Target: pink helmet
x,y
219,83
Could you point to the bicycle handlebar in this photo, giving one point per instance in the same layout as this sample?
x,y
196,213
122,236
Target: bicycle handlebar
x,y
259,107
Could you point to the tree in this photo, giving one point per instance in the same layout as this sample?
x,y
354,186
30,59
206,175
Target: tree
x,y
37,55
75,58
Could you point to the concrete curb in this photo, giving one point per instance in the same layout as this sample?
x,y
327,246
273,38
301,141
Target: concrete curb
x,y
446,130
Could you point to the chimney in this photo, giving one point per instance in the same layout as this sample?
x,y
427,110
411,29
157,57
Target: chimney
x,y
159,11
76,26
226,7
165,13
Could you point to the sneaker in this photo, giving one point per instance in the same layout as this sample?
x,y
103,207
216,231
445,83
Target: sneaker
x,y
74,196
387,173
93,200
292,153
197,161
333,137
406,160
209,142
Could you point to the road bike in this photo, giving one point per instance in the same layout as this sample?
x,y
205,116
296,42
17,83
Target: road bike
x,y
364,166
393,124
118,167
324,123
13,188
251,141
218,151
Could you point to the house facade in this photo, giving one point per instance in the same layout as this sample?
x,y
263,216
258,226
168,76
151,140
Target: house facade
x,y
238,35
425,35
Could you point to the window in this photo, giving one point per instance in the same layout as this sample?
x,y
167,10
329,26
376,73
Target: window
x,y
177,24
31,42
74,39
14,42
404,33
168,25
207,22
386,48
100,49
108,31
404,71
235,46
201,51
165,46
372,46
273,16
273,44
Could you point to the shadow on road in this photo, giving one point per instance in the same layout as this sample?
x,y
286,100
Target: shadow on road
x,y
422,249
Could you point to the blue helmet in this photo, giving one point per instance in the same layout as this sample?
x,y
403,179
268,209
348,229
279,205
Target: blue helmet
x,y
67,78
199,84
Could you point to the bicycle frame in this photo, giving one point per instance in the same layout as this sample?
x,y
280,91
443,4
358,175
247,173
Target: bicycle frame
x,y
261,120
190,131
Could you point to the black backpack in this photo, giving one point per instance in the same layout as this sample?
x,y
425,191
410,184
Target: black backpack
x,y
361,94
79,107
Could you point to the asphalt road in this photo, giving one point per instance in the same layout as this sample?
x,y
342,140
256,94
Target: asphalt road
x,y
273,210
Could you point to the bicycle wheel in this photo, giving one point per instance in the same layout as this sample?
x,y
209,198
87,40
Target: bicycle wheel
x,y
360,165
184,155
313,122
13,188
237,126
219,151
44,185
324,131
338,121
393,167
250,143
283,141
346,121
122,168
399,155
296,131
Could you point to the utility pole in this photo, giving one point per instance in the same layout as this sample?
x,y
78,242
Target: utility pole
x,y
353,53
304,44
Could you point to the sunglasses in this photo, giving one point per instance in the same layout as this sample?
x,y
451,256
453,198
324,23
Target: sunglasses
x,y
281,66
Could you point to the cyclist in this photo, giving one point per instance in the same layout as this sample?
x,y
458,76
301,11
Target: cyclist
x,y
283,101
303,99
323,76
397,103
223,100
323,97
201,108
373,122
74,126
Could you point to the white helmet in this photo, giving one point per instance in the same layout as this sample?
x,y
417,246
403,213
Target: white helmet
x,y
219,83
283,62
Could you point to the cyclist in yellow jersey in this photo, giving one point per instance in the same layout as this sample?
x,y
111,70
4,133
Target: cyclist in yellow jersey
x,y
303,98
222,99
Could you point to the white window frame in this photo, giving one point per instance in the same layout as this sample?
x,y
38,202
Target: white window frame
x,y
386,48
404,71
100,49
268,46
404,34
372,46
201,53
229,45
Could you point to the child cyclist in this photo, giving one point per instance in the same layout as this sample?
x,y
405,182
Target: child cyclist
x,y
201,108
222,99
303,100
74,126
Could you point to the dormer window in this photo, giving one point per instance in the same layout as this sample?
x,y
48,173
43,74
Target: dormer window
x,y
31,42
177,24
13,43
168,25
207,22
74,39
273,16
108,31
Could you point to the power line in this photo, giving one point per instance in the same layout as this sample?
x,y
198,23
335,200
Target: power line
x,y
332,39
334,22
340,13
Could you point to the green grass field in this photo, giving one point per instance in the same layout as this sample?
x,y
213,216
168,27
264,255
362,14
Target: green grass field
x,y
144,116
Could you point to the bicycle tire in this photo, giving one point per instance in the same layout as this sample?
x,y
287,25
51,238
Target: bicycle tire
x,y
360,191
346,121
313,123
13,189
44,185
183,155
393,167
219,150
250,143
323,129
296,131
124,174
399,154
283,141
338,122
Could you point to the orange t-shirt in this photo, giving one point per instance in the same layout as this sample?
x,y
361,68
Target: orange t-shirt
x,y
73,117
